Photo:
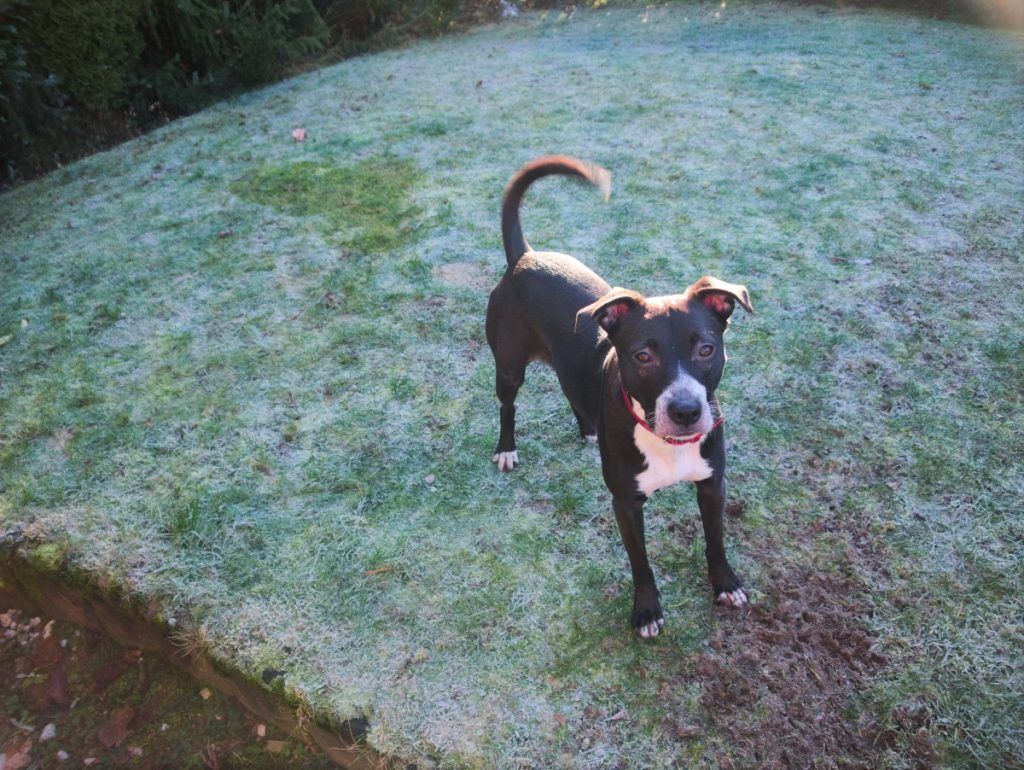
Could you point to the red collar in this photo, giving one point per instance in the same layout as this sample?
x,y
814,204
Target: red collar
x,y
667,439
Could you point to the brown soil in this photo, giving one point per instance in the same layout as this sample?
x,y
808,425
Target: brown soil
x,y
80,611
780,679
798,661
75,699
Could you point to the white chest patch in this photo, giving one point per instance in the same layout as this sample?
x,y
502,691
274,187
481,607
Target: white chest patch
x,y
667,464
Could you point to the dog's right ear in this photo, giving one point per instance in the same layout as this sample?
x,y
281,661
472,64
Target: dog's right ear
x,y
609,309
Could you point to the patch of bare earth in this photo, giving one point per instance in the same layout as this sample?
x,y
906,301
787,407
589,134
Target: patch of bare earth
x,y
779,678
468,275
76,699
798,660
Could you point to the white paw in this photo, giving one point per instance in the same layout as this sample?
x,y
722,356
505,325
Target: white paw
x,y
506,461
591,437
651,630
735,598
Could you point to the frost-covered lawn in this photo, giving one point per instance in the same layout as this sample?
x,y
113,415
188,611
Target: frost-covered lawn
x,y
244,379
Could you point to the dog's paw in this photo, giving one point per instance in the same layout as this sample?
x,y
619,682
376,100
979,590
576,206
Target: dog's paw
x,y
737,598
506,461
591,437
648,622
652,629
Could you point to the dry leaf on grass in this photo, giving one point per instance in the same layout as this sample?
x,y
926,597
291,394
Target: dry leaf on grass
x,y
18,753
115,729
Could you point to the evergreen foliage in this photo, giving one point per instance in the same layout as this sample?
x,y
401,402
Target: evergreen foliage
x,y
75,74
197,50
89,46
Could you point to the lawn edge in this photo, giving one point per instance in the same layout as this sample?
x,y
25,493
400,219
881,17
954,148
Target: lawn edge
x,y
70,594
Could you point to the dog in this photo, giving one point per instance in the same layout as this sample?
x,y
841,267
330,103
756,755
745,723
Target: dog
x,y
639,372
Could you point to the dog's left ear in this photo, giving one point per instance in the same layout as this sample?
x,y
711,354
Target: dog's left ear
x,y
720,296
609,309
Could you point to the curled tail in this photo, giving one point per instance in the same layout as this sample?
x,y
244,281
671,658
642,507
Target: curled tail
x,y
511,229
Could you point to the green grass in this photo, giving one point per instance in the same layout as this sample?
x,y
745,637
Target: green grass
x,y
245,378
364,206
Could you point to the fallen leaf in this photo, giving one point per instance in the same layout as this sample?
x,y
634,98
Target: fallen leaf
x,y
275,747
618,716
736,507
218,755
115,730
683,730
47,653
57,688
18,754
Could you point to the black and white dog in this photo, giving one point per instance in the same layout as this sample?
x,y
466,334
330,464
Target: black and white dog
x,y
640,374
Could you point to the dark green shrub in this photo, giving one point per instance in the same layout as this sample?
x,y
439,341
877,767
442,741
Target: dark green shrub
x,y
91,46
356,26
14,81
34,111
77,75
265,43
199,49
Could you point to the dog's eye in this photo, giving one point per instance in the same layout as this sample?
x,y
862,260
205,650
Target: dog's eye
x,y
704,351
643,357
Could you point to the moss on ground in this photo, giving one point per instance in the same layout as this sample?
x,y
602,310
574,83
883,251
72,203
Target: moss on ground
x,y
364,206
245,377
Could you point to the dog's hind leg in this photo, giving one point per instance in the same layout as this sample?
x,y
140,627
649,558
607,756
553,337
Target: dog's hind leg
x,y
568,377
514,344
508,378
587,429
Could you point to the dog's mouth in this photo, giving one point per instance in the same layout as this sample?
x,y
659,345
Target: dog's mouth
x,y
671,430
674,432
687,434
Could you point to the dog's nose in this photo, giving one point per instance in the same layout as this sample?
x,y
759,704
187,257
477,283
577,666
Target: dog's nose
x,y
685,411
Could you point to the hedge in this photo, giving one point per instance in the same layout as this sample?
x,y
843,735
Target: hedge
x,y
76,75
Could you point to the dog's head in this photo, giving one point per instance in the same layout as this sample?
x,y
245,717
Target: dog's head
x,y
670,350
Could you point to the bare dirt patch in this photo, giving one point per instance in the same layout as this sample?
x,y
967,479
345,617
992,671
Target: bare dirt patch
x,y
77,699
780,679
468,275
798,659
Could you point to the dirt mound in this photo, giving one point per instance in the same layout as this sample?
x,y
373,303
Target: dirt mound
x,y
778,678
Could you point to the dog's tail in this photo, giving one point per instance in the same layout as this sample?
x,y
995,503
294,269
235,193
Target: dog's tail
x,y
511,229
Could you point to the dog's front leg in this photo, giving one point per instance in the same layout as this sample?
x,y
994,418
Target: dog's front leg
x,y
647,616
727,588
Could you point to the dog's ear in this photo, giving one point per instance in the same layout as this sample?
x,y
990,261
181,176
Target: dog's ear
x,y
609,309
720,296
